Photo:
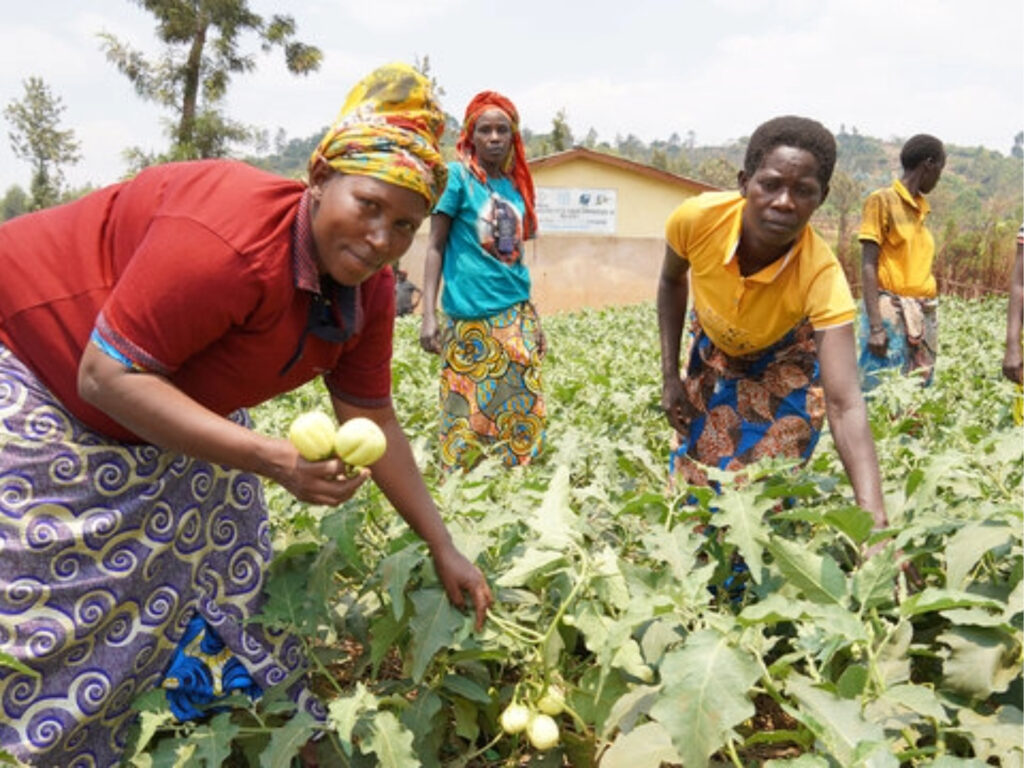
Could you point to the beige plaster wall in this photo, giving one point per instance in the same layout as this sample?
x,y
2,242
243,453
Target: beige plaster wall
x,y
578,271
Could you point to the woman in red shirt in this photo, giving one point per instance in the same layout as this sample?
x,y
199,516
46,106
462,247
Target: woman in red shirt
x,y
136,325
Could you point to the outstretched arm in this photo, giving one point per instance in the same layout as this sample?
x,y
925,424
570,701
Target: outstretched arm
x,y
877,340
158,412
847,415
673,294
399,478
430,336
1013,368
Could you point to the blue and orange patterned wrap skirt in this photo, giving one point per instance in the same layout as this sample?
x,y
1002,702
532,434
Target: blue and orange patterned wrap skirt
x,y
110,556
743,409
491,397
912,331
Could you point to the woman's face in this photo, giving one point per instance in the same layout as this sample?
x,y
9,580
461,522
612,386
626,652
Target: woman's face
x,y
361,224
781,196
492,137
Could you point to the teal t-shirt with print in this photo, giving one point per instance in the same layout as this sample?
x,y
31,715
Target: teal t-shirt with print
x,y
483,268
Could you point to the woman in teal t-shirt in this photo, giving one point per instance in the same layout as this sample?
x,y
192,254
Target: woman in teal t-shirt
x,y
490,339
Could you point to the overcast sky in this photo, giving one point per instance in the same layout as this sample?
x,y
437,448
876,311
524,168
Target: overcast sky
x,y
649,67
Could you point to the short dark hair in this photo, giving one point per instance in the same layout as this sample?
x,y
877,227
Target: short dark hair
x,y
919,148
793,131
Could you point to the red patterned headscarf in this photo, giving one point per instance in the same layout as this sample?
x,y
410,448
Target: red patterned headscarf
x,y
515,165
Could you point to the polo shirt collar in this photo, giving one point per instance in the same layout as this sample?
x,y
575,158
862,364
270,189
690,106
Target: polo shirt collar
x,y
304,267
920,202
772,271
335,311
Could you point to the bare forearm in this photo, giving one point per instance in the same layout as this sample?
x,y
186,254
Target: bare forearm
x,y
160,413
856,448
398,476
672,300
869,283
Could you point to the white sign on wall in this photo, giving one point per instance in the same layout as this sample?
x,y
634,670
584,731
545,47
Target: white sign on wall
x,y
572,209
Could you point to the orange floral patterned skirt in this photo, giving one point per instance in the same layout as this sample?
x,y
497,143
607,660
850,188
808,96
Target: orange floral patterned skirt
x,y
491,399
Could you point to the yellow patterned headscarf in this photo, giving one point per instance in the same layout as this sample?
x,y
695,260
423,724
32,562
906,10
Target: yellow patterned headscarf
x,y
389,128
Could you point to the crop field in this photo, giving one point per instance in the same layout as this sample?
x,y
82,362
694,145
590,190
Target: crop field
x,y
627,598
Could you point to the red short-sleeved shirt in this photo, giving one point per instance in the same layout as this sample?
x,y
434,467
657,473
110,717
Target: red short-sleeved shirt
x,y
191,270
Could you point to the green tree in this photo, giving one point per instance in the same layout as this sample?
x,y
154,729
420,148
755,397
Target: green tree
x,y
717,171
844,196
1018,145
14,203
202,54
561,134
37,138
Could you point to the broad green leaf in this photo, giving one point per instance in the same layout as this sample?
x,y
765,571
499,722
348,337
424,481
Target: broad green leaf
x,y
817,576
836,722
873,584
466,688
742,513
530,564
149,724
893,661
980,661
424,717
395,571
676,548
434,625
466,726
966,546
554,520
608,581
627,658
917,698
949,761
343,713
996,735
286,741
772,610
851,683
384,633
853,521
648,746
390,742
933,599
705,695
628,708
213,741
343,528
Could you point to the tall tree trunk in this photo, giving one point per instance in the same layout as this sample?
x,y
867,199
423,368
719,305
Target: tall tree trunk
x,y
193,69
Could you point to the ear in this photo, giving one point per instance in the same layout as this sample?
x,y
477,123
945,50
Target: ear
x,y
741,181
824,196
319,175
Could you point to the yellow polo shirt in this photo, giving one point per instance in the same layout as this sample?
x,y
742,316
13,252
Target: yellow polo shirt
x,y
743,315
894,219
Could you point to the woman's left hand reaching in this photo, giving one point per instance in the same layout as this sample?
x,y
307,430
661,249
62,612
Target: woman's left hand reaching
x,y
458,575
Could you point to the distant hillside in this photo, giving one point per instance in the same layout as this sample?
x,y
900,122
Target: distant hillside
x,y
976,207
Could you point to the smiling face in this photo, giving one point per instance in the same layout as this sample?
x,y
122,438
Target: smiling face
x,y
492,138
781,196
361,224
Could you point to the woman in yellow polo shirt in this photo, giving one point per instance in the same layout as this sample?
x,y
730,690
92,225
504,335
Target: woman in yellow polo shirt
x,y
899,327
773,345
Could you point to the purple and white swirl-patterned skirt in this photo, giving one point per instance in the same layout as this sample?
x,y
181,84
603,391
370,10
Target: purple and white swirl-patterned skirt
x,y
107,551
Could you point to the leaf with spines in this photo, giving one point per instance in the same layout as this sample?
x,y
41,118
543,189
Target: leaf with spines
x,y
706,683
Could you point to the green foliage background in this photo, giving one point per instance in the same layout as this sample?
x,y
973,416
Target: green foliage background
x,y
610,586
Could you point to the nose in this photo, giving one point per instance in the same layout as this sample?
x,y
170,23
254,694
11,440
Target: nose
x,y
784,198
378,236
